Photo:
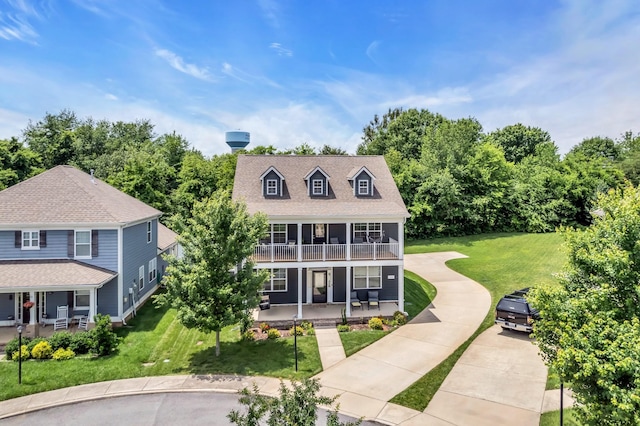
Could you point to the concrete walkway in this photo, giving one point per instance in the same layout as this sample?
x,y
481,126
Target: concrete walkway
x,y
368,379
329,346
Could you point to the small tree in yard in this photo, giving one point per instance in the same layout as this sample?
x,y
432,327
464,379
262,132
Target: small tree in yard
x,y
202,286
590,327
296,406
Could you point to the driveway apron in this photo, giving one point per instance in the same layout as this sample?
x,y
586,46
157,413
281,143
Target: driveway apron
x,y
368,379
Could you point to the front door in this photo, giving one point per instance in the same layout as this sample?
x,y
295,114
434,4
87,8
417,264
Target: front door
x,y
26,312
319,286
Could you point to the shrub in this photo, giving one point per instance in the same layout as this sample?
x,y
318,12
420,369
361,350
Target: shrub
x,y
343,328
298,331
264,327
246,322
400,318
61,339
24,351
273,334
306,325
33,342
248,336
375,324
63,354
105,340
13,346
81,342
42,350
311,332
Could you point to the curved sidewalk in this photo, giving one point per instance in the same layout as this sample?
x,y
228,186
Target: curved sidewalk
x,y
368,379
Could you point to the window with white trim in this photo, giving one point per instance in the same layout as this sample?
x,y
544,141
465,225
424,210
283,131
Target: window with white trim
x,y
279,233
83,244
317,187
367,231
272,187
153,266
278,280
141,278
149,232
363,187
367,277
81,299
30,240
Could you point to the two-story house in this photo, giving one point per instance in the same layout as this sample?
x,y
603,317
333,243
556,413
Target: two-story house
x,y
336,225
69,239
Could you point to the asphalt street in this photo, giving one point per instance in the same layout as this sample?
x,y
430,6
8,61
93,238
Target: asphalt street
x,y
159,409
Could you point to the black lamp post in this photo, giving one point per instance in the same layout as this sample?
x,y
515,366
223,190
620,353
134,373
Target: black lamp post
x,y
295,340
20,354
561,403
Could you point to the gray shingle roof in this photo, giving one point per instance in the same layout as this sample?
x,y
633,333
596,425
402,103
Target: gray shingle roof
x,y
341,201
65,195
50,274
166,237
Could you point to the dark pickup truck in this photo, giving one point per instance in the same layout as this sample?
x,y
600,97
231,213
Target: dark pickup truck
x,y
514,312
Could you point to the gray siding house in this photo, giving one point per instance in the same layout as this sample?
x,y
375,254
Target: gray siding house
x,y
336,227
67,238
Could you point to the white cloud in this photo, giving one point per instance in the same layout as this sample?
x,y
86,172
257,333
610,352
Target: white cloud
x,y
270,11
372,50
281,51
111,97
178,63
15,25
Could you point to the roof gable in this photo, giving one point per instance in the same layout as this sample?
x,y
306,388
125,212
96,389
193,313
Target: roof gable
x,y
314,170
269,170
65,195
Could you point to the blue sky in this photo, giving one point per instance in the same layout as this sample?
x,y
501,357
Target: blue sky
x,y
318,71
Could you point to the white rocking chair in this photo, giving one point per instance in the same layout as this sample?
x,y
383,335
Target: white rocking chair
x,y
62,319
83,322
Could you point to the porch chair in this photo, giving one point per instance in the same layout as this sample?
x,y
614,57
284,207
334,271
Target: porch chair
x,y
358,240
265,302
355,301
83,322
373,299
62,318
334,240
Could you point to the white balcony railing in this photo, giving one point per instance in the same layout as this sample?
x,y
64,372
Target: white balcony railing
x,y
325,252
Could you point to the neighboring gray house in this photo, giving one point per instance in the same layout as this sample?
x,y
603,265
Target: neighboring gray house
x,y
336,226
67,238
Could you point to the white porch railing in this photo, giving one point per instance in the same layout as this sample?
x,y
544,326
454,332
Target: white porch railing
x,y
324,252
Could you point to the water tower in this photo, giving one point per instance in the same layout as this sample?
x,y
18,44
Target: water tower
x,y
237,140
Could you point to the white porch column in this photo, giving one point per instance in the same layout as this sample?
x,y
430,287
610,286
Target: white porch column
x,y
400,241
32,312
348,240
299,242
348,290
92,304
299,293
401,288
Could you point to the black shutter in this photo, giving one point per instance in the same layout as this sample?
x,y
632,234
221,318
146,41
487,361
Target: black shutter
x,y
94,243
18,239
70,244
43,238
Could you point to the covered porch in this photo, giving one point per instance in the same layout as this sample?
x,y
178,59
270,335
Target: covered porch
x,y
32,290
324,313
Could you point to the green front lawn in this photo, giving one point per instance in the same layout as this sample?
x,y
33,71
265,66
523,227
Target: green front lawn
x,y
500,262
553,418
154,344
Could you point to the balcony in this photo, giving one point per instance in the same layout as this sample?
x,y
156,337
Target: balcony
x,y
326,252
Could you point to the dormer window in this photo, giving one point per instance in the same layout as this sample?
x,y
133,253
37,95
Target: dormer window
x,y
363,187
272,183
318,187
272,187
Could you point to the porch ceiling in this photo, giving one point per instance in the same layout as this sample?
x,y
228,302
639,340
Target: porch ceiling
x,y
50,274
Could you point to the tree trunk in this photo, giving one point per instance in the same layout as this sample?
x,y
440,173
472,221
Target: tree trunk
x,y
217,342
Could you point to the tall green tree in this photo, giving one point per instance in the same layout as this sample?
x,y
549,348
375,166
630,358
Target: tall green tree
x,y
219,237
17,163
590,327
53,138
518,141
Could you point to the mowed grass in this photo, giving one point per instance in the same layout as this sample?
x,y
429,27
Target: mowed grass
x,y
553,418
418,295
500,262
155,344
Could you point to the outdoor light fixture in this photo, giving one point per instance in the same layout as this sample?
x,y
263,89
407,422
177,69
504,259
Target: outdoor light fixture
x,y
295,340
19,354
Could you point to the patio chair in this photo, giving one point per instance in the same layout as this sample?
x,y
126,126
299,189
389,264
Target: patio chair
x,y
62,318
358,240
373,299
334,240
83,322
265,302
355,301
